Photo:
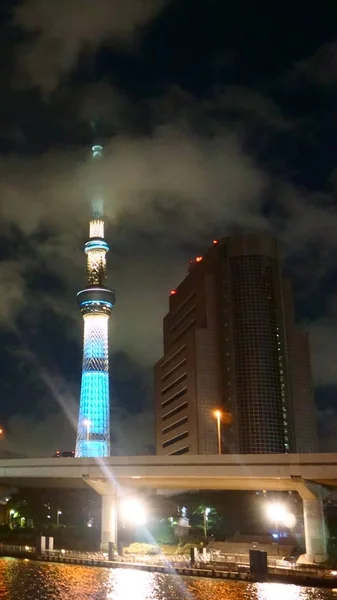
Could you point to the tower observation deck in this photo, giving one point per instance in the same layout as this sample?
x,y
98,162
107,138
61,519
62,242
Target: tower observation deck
x,y
96,302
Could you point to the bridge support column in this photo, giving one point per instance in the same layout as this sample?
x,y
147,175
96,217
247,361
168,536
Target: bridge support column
x,y
314,524
108,521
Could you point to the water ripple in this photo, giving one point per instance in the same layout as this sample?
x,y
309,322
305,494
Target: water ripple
x,y
28,580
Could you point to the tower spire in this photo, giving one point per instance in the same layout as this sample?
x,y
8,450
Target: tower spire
x,y
96,302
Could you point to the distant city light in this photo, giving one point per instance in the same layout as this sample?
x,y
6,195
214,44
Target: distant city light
x,y
198,259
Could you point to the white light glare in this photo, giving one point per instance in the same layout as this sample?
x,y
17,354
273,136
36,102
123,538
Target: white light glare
x,y
276,512
279,514
133,511
289,520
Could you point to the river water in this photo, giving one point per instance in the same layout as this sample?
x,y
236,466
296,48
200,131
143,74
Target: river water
x,y
28,580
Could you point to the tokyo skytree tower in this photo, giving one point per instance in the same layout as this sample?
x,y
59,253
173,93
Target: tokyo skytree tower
x,y
96,302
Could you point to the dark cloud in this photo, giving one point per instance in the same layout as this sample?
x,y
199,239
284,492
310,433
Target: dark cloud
x,y
178,182
171,190
327,425
59,31
323,344
12,283
318,69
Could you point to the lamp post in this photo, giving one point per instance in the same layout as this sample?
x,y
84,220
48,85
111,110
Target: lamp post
x,y
59,512
218,414
206,513
11,514
279,514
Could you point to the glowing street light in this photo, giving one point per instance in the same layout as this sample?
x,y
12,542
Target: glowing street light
x,y
217,414
87,424
279,514
276,512
206,513
221,417
133,511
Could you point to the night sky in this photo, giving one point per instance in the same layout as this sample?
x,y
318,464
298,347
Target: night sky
x,y
215,117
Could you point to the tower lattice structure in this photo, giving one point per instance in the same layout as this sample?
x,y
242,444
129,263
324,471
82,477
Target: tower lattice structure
x,y
96,302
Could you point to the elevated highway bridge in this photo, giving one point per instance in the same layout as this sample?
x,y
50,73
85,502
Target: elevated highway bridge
x,y
307,474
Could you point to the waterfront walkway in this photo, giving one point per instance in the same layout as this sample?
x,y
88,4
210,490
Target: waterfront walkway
x,y
223,567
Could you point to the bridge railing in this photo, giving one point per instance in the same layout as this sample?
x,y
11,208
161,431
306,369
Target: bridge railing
x,y
237,562
17,548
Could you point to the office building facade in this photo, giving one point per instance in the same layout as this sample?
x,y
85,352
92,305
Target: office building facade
x,y
230,343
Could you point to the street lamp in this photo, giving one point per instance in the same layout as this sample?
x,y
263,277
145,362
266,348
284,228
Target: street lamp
x,y
279,514
87,424
276,512
133,511
11,515
218,414
59,512
206,513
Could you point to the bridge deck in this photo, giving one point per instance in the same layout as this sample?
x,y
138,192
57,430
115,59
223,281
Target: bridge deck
x,y
273,471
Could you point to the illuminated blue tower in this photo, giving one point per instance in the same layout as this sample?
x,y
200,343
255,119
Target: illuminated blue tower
x,y
96,303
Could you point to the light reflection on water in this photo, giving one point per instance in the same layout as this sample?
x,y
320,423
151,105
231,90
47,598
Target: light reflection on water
x,y
28,580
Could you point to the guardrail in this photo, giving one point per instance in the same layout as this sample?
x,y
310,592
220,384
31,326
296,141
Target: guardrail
x,y
229,562
17,548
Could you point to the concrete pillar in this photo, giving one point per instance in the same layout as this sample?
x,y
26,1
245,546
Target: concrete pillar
x,y
108,521
314,526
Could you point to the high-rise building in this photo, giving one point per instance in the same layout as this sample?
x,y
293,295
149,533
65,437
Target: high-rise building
x,y
230,343
96,302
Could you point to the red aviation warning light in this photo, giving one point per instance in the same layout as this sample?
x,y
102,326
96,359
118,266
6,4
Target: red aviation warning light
x,y
173,292
215,242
